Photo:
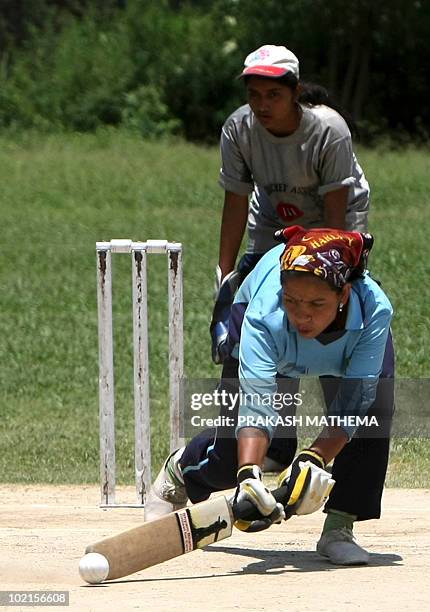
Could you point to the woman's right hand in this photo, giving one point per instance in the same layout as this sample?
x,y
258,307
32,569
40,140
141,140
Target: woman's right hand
x,y
251,488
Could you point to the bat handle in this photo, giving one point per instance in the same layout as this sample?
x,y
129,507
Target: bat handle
x,y
246,510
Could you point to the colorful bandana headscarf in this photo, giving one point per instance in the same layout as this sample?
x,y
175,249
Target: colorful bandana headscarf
x,y
330,254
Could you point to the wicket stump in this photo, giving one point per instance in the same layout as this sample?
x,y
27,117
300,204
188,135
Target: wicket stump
x,y
139,252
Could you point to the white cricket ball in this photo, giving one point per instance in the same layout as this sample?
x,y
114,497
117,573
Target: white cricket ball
x,y
94,568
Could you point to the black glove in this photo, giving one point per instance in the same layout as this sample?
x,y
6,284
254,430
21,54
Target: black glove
x,y
224,296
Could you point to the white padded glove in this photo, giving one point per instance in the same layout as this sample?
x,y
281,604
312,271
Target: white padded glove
x,y
251,488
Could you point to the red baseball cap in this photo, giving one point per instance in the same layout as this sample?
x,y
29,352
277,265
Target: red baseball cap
x,y
271,61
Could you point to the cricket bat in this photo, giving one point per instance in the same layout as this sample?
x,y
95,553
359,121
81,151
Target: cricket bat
x,y
168,537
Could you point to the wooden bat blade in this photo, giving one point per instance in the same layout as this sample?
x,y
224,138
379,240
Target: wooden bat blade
x,y
173,535
165,538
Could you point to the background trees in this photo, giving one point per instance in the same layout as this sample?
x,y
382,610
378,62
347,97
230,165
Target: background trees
x,y
169,66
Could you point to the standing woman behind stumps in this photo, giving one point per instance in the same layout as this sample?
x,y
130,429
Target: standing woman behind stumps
x,y
287,157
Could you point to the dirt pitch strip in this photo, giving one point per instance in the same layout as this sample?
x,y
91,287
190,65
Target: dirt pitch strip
x,y
44,531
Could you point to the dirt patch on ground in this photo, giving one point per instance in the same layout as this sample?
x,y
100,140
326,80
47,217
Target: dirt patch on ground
x,y
45,529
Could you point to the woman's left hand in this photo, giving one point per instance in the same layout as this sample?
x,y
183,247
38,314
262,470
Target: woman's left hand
x,y
309,484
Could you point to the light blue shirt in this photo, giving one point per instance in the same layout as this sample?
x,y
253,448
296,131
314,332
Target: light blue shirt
x,y
270,344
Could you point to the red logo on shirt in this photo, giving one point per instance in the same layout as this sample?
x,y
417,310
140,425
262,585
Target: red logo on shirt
x,y
288,212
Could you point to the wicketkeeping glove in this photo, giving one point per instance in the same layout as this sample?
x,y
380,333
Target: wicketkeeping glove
x,y
224,296
309,484
250,487
226,288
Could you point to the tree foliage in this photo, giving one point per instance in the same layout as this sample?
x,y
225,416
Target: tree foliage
x,y
170,65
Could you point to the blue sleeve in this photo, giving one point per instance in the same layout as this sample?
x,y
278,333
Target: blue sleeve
x,y
368,354
258,357
244,293
357,391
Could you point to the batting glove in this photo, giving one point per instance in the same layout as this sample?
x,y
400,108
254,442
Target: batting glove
x,y
309,484
251,488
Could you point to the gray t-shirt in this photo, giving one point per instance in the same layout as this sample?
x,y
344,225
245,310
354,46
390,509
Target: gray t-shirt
x,y
288,176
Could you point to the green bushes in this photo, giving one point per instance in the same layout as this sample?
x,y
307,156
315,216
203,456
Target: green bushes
x,y
74,80
162,67
145,112
154,70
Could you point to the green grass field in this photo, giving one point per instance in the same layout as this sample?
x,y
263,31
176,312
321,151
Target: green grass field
x,y
60,194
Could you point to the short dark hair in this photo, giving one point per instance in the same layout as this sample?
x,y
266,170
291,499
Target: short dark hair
x,y
312,94
289,79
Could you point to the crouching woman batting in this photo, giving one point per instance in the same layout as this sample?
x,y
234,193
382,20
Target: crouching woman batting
x,y
309,308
